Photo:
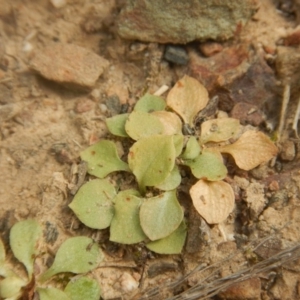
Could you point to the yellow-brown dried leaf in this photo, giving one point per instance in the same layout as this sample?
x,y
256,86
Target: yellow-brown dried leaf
x,y
251,149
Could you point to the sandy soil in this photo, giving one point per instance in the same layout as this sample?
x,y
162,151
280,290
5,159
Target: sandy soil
x,y
44,126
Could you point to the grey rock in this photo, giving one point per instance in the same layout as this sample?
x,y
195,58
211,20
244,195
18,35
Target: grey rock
x,y
180,22
176,55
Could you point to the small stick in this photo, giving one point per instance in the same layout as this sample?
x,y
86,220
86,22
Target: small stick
x,y
161,90
285,102
296,118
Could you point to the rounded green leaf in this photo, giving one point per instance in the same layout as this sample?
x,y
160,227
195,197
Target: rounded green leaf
x,y
192,148
102,158
93,203
83,288
172,181
171,244
142,124
160,215
23,240
208,165
52,293
125,227
76,255
10,287
149,103
116,125
218,130
152,159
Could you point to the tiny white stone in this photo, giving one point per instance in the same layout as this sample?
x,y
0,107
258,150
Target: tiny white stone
x,y
128,283
103,108
58,3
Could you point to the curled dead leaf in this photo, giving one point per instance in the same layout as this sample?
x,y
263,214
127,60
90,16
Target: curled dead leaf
x,y
187,98
214,200
251,149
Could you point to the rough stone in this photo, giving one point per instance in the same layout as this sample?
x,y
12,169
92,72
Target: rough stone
x,y
180,22
210,48
288,151
247,114
176,55
69,65
246,290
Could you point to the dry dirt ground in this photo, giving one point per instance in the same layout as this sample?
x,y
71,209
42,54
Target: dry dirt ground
x,y
44,126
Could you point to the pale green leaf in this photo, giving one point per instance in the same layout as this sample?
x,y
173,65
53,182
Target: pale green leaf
x,y
208,165
52,294
218,130
23,238
251,149
187,98
2,253
83,288
214,200
172,181
102,158
2,259
161,215
170,121
93,203
125,227
149,103
10,287
178,144
4,271
116,125
171,244
76,255
152,159
142,124
192,148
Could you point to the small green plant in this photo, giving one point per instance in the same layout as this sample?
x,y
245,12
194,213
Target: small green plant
x,y
152,212
76,255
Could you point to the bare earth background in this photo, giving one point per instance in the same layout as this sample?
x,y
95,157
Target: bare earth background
x,y
44,126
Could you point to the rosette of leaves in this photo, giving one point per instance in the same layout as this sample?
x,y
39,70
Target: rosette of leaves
x,y
158,150
76,255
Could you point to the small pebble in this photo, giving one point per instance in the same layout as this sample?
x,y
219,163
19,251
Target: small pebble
x,y
288,151
210,48
58,3
103,108
176,55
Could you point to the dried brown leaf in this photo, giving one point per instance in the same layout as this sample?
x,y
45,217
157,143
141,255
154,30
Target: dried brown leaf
x,y
214,200
251,149
170,121
218,130
187,98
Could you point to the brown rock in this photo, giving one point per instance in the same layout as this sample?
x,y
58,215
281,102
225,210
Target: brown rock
x,y
288,151
293,38
68,64
247,114
220,69
84,105
210,48
180,22
246,290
